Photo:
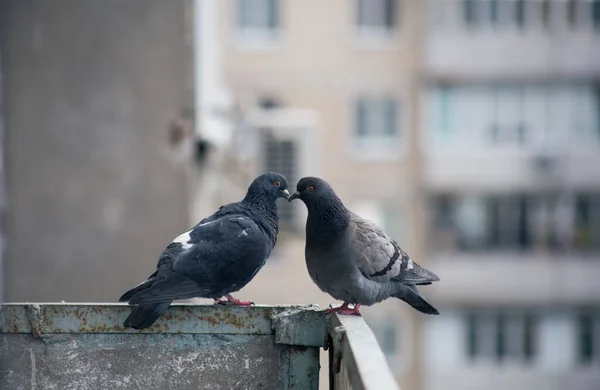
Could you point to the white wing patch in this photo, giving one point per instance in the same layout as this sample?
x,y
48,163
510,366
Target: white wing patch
x,y
184,240
410,265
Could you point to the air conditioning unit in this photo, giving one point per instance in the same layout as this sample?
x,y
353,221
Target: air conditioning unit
x,y
546,160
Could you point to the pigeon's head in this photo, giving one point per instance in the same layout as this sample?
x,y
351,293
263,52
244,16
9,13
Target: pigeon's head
x,y
310,189
272,184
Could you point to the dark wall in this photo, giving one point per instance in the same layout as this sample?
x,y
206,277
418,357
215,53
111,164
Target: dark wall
x,y
89,88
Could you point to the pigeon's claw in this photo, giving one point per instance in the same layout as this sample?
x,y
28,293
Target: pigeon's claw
x,y
344,309
233,301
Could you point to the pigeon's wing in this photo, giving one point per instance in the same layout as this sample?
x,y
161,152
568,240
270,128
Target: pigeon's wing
x,y
219,246
221,253
380,258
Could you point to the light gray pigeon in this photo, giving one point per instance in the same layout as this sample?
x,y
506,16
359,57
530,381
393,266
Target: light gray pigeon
x,y
352,259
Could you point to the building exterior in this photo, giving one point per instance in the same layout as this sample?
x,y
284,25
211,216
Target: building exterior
x,y
468,130
510,142
332,91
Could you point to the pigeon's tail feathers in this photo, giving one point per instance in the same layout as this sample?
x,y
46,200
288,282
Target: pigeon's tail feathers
x,y
409,294
141,287
169,289
415,274
143,316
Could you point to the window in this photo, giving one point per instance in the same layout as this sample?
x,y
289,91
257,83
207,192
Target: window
x,y
500,336
596,14
257,19
588,338
376,17
387,338
512,116
486,14
470,12
502,15
587,222
520,13
281,155
376,127
507,126
509,225
517,222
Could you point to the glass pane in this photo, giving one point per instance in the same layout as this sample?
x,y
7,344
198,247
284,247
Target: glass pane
x,y
469,12
493,9
361,118
443,119
520,13
391,120
585,347
374,13
471,222
596,14
501,336
390,13
529,337
524,240
388,338
471,328
273,14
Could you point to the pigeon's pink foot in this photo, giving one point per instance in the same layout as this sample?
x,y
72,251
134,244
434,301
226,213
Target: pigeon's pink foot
x,y
233,301
344,309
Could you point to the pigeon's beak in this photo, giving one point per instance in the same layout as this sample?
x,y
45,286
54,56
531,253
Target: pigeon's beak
x,y
295,195
286,193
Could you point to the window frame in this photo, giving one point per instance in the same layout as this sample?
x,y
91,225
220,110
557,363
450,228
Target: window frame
x,y
266,36
381,35
377,146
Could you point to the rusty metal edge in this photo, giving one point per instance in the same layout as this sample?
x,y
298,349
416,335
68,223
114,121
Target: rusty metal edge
x,y
40,319
300,327
355,347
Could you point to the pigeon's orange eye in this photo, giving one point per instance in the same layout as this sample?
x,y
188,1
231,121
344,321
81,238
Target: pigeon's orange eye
x,y
277,183
311,188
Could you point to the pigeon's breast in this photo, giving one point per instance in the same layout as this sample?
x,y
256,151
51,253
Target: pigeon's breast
x,y
332,272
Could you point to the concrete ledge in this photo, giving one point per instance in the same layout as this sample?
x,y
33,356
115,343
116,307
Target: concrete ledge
x,y
84,345
57,318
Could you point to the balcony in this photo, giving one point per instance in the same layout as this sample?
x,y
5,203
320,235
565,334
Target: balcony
x,y
504,278
190,347
482,39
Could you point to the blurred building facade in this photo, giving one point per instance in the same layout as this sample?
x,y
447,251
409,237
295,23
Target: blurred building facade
x,y
467,129
511,146
329,91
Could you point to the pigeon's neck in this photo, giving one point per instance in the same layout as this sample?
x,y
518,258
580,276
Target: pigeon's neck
x,y
327,221
264,212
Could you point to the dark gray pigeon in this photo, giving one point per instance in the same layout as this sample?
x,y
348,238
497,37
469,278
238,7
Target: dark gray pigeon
x,y
220,255
352,259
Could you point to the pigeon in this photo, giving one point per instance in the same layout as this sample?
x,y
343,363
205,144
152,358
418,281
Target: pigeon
x,y
352,259
218,256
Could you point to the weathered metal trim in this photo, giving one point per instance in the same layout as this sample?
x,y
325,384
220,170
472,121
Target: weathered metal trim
x,y
55,318
356,348
304,368
303,327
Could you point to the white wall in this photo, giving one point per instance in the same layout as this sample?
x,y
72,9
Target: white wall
x,y
446,365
